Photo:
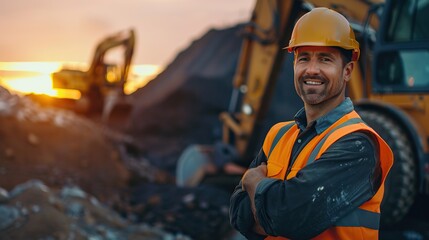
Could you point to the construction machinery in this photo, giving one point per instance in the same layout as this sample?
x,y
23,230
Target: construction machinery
x,y
102,85
389,87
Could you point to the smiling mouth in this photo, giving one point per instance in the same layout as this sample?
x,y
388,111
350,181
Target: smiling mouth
x,y
313,83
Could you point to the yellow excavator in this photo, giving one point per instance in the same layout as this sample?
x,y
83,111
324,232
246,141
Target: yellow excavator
x,y
102,85
390,89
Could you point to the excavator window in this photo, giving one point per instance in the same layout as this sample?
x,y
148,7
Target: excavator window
x,y
402,59
405,70
408,21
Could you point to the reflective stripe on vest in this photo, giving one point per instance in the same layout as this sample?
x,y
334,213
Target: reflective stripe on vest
x,y
320,144
279,135
360,218
362,222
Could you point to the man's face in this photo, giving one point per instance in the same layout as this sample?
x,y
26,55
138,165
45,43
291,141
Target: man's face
x,y
320,76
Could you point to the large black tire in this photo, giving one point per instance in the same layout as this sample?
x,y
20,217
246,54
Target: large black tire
x,y
400,186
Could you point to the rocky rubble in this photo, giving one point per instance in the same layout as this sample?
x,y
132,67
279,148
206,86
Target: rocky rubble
x,y
63,176
34,211
201,212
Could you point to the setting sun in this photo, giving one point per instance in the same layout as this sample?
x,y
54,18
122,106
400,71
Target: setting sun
x,y
35,77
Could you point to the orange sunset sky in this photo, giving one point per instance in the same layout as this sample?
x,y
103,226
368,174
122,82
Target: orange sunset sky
x,y
68,30
41,36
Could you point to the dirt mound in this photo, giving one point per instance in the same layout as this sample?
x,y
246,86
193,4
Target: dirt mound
x,y
58,148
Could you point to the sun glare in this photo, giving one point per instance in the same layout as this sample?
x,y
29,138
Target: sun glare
x,y
41,67
140,76
35,78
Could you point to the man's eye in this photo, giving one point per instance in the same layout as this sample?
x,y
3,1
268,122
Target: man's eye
x,y
302,59
326,59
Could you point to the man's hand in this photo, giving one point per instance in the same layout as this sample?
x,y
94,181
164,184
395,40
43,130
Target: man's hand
x,y
253,176
249,183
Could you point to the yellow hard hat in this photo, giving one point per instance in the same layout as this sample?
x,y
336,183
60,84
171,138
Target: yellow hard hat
x,y
324,27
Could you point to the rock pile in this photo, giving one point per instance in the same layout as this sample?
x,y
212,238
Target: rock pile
x,y
34,211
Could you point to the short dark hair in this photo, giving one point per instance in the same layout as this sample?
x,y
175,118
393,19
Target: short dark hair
x,y
346,55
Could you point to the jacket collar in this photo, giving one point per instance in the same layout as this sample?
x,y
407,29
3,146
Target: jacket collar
x,y
322,123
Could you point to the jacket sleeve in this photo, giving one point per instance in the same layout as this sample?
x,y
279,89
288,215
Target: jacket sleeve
x,y
240,213
342,179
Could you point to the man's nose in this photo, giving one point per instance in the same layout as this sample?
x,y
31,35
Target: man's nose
x,y
313,67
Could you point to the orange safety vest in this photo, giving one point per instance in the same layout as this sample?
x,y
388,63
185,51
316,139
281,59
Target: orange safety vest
x,y
362,223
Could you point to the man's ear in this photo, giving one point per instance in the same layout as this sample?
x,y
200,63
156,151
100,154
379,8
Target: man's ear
x,y
348,69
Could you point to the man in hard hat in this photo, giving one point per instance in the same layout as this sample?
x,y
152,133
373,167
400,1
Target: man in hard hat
x,y
322,175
